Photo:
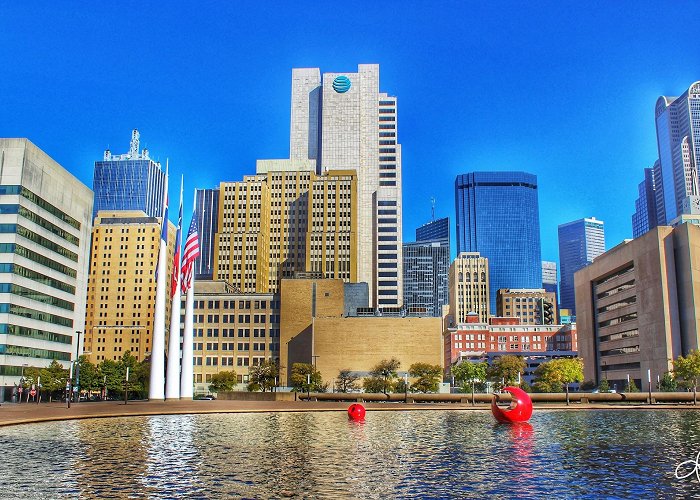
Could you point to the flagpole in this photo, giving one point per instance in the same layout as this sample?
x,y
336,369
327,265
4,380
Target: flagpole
x,y
157,379
172,380
187,376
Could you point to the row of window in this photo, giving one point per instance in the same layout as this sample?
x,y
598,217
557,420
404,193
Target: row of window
x,y
30,352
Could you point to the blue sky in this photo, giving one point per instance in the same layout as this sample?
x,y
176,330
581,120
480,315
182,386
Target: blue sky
x,y
561,89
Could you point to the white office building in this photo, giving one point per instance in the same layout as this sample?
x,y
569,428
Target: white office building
x,y
342,121
45,223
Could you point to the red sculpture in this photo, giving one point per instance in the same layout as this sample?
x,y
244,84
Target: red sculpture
x,y
356,412
520,409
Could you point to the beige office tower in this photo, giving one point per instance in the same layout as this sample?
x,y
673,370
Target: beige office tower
x,y
331,239
121,284
242,245
469,287
341,121
279,223
533,306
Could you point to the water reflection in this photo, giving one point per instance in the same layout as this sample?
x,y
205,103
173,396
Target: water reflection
x,y
445,453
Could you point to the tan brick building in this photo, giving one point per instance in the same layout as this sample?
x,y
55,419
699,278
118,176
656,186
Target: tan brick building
x,y
321,324
277,223
468,283
532,306
121,284
232,331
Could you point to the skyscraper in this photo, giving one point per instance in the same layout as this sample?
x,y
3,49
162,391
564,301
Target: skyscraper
x,y
342,121
498,216
276,224
469,287
207,213
122,295
130,181
550,283
678,140
44,249
436,230
645,212
426,264
580,242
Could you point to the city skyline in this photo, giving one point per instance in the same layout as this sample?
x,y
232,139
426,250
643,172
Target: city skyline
x,y
217,101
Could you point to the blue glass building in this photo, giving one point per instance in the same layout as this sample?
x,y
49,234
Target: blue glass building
x,y
131,181
580,242
207,207
436,230
498,216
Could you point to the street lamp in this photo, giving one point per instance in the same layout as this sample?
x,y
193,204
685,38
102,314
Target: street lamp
x,y
77,365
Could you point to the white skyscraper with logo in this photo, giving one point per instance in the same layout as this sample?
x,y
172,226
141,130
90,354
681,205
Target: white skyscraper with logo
x,y
343,122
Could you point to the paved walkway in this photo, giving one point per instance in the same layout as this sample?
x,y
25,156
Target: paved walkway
x,y
12,413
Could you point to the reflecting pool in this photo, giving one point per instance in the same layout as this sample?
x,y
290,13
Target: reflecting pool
x,y
412,454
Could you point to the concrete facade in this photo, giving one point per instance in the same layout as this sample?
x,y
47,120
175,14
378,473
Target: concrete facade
x,y
343,121
314,329
637,307
232,331
44,243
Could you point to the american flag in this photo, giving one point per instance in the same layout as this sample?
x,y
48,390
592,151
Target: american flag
x,y
190,254
176,257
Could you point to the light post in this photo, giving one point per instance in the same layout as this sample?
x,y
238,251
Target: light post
x,y
649,382
21,383
405,387
104,390
77,366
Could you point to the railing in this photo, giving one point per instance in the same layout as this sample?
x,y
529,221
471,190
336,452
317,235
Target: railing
x,y
557,397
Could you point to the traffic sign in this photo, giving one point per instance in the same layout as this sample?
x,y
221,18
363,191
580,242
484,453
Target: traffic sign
x,y
32,393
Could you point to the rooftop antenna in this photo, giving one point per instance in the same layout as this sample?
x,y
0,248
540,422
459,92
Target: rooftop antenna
x,y
432,203
134,150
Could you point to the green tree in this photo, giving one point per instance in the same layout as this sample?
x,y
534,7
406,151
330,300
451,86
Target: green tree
x,y
382,378
668,383
506,369
262,377
223,381
53,379
604,386
306,378
428,376
631,386
688,369
470,373
554,374
90,379
346,381
115,378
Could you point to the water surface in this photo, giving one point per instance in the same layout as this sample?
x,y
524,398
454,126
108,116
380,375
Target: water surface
x,y
413,454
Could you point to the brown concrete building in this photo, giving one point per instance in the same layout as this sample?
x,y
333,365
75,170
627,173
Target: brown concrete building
x,y
468,283
233,331
322,322
532,306
636,306
121,284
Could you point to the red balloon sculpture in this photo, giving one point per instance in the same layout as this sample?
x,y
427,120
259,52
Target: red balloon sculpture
x,y
520,409
356,412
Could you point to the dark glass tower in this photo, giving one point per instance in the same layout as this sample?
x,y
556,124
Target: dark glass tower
x,y
426,264
131,181
207,207
498,216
